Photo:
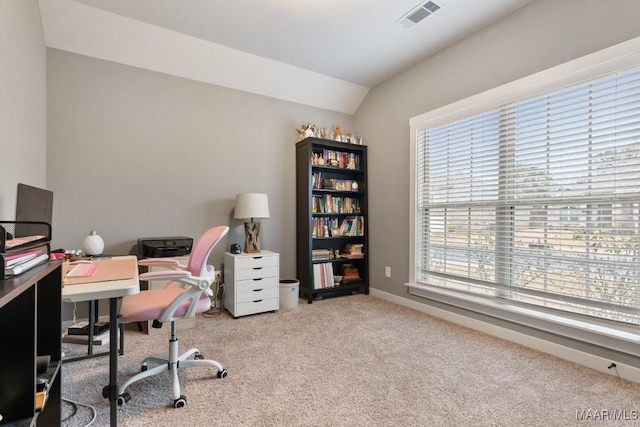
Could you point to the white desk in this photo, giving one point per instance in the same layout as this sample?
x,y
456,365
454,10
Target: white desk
x,y
111,290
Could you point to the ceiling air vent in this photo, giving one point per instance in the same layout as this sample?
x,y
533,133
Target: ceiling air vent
x,y
418,13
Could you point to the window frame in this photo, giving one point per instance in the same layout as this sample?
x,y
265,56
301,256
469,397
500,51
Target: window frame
x,y
600,332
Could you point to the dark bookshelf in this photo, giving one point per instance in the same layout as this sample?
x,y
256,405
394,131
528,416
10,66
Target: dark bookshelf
x,y
30,312
318,186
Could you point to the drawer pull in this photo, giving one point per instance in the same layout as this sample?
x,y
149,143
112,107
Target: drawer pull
x,y
259,300
257,268
257,257
259,278
257,290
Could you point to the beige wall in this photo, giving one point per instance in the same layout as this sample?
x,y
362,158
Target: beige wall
x,y
541,35
22,101
134,153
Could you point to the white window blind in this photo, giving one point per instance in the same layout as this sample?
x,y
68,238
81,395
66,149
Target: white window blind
x,y
537,200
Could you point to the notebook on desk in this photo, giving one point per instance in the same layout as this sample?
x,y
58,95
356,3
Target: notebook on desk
x,y
109,269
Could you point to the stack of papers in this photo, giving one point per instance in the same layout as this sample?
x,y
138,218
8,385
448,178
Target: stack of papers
x,y
83,270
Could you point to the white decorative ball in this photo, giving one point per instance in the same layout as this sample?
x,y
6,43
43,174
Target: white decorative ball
x,y
93,244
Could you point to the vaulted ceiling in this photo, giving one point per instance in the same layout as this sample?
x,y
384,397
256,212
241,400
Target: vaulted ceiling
x,y
326,53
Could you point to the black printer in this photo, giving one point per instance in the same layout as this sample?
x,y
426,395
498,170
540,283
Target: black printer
x,y
164,247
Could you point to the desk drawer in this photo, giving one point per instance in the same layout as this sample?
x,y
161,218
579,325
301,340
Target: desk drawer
x,y
259,283
256,273
259,261
256,294
251,307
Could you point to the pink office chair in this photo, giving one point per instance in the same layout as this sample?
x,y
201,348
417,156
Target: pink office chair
x,y
186,294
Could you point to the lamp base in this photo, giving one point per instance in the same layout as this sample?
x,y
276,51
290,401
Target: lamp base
x,y
251,237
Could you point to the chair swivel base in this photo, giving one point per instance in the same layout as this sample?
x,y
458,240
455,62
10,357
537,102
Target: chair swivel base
x,y
172,364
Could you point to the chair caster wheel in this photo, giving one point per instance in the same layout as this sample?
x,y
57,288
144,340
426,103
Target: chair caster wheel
x,y
198,357
123,398
223,373
143,367
179,403
105,392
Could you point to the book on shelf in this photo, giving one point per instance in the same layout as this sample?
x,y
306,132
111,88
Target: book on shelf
x,y
328,203
336,159
350,273
317,278
320,254
320,182
353,251
352,226
323,275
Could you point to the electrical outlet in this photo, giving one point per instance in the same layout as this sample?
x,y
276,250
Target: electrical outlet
x,y
387,272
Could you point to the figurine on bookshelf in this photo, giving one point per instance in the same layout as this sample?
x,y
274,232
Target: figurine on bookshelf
x,y
352,163
323,133
349,138
337,135
306,131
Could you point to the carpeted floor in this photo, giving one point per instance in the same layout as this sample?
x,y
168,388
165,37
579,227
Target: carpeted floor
x,y
351,361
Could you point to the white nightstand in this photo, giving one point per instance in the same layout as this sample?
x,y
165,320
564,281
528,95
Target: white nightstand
x,y
251,282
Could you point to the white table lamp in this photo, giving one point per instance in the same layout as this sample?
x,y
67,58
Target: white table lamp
x,y
250,206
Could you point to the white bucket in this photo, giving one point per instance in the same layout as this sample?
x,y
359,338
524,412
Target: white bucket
x,y
289,293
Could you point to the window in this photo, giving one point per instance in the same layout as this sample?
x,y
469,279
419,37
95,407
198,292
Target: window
x,y
535,197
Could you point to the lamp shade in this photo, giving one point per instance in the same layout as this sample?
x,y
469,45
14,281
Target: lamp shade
x,y
251,205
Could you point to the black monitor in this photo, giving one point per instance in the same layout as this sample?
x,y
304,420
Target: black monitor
x,y
33,204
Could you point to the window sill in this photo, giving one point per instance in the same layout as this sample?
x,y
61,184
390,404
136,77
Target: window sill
x,y
607,334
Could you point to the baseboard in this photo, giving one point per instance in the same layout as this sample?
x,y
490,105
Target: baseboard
x,y
592,361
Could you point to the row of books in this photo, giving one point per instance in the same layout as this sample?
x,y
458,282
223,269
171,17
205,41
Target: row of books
x,y
320,182
337,227
352,226
353,251
350,273
320,254
350,251
323,276
338,159
23,245
327,203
